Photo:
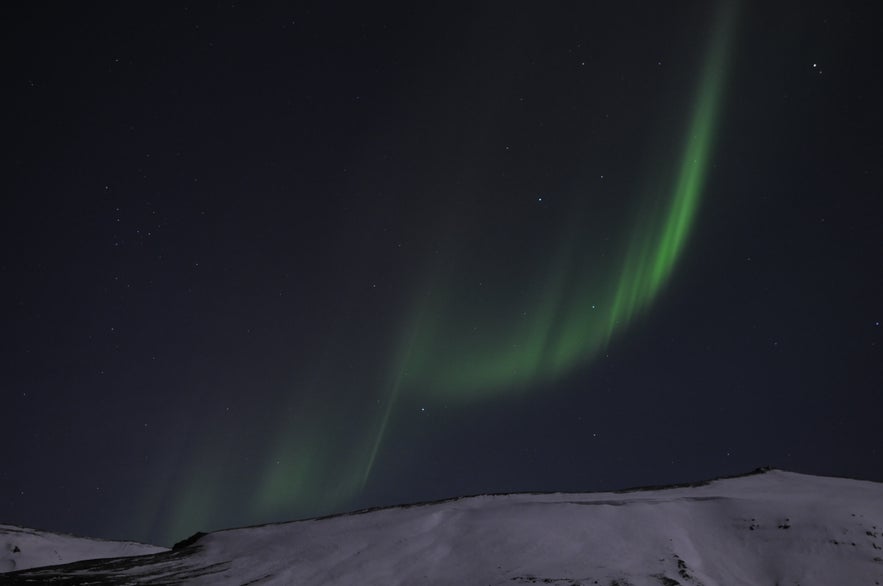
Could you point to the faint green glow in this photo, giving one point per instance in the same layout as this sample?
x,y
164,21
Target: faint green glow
x,y
290,470
197,497
311,466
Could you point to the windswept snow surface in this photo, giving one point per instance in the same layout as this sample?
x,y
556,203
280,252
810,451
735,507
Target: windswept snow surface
x,y
770,528
22,548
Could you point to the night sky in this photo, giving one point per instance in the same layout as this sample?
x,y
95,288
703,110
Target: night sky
x,y
269,262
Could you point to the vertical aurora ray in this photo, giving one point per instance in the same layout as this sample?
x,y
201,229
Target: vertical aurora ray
x,y
389,404
650,261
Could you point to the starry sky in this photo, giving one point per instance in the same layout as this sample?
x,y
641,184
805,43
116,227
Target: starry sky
x,y
269,262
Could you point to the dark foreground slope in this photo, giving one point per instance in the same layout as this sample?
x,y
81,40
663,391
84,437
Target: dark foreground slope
x,y
770,528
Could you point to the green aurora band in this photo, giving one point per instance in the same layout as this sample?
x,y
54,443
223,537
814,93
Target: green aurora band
x,y
460,349
574,312
458,345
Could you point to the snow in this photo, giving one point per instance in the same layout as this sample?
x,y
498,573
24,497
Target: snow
x,y
771,528
22,548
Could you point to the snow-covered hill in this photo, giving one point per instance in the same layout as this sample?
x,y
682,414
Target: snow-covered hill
x,y
22,548
775,528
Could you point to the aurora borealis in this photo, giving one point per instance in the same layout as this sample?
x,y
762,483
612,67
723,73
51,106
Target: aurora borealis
x,y
276,262
576,308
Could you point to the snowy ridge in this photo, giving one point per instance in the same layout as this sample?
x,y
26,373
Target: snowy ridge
x,y
771,528
22,548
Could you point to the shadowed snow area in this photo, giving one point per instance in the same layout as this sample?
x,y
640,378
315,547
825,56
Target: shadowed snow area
x,y
769,528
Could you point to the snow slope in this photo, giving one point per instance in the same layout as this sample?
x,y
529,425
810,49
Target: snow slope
x,y
22,548
775,528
